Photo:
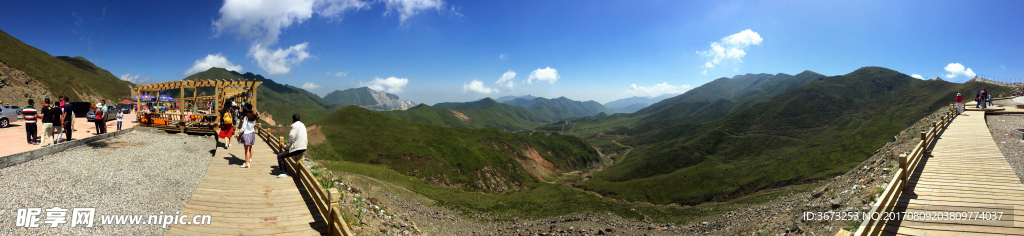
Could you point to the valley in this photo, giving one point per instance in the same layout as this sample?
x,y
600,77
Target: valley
x,y
732,156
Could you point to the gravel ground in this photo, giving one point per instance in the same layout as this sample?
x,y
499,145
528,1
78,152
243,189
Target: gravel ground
x,y
1002,127
137,173
392,210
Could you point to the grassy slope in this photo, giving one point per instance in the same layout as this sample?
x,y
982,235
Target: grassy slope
x,y
446,156
816,131
356,137
279,99
561,108
485,113
87,65
62,77
687,111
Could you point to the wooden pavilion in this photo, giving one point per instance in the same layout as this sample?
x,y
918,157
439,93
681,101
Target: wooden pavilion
x,y
193,114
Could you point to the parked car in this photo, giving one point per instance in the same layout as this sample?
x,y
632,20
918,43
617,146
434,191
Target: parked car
x,y
80,109
8,114
112,115
15,108
125,108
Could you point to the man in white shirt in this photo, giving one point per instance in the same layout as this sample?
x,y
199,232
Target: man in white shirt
x,y
296,145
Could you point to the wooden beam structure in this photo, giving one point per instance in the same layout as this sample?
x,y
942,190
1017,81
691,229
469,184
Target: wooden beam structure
x,y
194,113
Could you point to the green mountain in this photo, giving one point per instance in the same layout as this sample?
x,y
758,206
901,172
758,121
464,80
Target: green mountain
x,y
485,113
67,76
279,100
488,160
815,131
368,98
561,108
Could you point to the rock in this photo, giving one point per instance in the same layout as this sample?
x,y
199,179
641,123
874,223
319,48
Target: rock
x,y
818,192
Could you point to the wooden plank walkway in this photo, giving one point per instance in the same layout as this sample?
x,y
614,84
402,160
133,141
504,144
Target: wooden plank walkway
x,y
965,172
250,201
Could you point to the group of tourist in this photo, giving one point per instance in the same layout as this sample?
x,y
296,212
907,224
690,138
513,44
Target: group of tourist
x,y
983,99
244,131
58,119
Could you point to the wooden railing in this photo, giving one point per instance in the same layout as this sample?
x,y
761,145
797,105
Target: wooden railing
x,y
326,200
873,223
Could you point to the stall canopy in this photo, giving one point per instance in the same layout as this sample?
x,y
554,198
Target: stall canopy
x,y
165,98
145,97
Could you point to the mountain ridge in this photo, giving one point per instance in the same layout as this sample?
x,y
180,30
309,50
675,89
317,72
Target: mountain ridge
x,y
368,98
813,132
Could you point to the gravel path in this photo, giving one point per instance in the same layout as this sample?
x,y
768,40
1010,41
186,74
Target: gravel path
x,y
137,173
1012,147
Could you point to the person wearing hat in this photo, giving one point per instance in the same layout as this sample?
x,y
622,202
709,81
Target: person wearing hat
x,y
959,104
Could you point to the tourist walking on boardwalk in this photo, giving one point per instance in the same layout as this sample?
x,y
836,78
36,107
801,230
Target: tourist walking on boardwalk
x,y
296,144
247,132
227,127
959,104
120,116
977,100
29,114
989,98
982,100
51,122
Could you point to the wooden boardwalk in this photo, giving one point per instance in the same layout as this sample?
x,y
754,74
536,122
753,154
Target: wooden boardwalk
x,y
250,201
965,172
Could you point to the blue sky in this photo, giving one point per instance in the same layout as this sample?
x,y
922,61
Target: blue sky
x,y
433,51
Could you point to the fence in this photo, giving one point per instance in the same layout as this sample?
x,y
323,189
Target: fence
x,y
908,164
326,200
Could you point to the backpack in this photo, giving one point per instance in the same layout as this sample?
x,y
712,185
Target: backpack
x,y
227,118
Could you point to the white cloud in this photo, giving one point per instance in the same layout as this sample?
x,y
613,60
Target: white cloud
x,y
1002,66
547,74
212,60
502,56
341,74
390,85
705,72
336,8
477,87
917,76
656,90
409,8
279,61
310,85
730,47
506,79
262,22
956,69
135,79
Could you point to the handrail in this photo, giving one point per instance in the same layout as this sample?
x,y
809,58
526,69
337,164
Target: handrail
x,y
873,224
326,200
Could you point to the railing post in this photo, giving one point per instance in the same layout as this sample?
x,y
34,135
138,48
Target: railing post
x,y
332,199
903,166
924,137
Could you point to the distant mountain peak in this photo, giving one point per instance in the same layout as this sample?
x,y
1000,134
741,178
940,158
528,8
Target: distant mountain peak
x,y
368,98
510,98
